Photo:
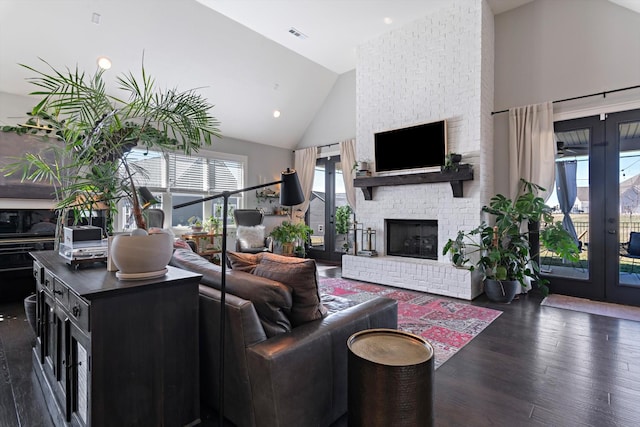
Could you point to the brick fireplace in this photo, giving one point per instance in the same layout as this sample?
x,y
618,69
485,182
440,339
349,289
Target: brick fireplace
x,y
413,238
438,67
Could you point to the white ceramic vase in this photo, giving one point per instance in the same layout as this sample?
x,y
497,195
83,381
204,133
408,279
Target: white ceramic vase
x,y
139,256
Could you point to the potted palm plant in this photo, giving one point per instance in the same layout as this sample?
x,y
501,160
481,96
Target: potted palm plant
x,y
90,132
288,233
502,252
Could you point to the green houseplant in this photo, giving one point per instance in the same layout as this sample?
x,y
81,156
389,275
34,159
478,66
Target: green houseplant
x,y
501,252
343,224
94,132
288,233
452,162
89,133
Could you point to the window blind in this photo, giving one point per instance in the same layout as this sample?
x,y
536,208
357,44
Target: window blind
x,y
186,174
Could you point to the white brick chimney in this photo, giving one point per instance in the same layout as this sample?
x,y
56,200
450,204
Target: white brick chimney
x,y
438,67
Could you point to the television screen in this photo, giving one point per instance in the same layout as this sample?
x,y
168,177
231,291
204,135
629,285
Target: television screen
x,y
413,147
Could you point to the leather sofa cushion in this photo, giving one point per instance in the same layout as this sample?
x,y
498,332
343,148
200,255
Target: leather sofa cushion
x,y
299,274
271,299
242,261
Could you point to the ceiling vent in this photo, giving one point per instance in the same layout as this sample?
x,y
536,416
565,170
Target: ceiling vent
x,y
298,34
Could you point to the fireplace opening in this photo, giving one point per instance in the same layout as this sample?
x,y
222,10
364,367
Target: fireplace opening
x,y
415,238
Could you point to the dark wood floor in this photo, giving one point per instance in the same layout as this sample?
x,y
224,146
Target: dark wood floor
x,y
532,366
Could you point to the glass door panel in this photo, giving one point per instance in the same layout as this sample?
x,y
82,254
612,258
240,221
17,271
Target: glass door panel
x,y
579,169
629,265
340,197
327,194
317,210
570,202
623,276
598,175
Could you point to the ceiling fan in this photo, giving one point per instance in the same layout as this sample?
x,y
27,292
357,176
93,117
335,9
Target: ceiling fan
x,y
571,150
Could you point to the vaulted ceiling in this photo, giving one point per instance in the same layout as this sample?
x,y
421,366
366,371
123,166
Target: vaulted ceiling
x,y
247,57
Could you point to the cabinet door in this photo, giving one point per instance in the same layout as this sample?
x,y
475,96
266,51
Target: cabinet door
x,y
62,362
42,321
79,376
49,335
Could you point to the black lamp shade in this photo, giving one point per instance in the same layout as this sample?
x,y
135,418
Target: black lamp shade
x,y
290,191
146,197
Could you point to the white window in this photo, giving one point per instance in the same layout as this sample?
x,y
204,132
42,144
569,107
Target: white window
x,y
176,178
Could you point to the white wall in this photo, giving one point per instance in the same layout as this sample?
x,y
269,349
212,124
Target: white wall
x,y
549,50
336,120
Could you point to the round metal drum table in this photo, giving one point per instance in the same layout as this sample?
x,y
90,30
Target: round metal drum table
x,y
391,376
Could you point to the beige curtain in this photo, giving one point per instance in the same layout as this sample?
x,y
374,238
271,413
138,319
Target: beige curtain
x,y
531,147
348,159
305,165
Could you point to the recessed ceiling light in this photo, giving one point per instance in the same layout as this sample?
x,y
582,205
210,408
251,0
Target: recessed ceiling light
x,y
104,62
276,113
388,21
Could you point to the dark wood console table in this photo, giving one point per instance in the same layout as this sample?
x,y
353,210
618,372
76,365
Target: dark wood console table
x,y
111,352
455,178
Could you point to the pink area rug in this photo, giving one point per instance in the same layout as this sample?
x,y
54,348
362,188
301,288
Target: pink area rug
x,y
447,324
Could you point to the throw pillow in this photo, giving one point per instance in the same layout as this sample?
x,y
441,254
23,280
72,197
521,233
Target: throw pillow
x,y
181,244
241,261
301,275
250,236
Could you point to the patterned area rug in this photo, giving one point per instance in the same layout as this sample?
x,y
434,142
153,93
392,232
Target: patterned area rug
x,y
447,324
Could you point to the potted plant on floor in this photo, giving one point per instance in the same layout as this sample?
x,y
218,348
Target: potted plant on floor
x,y
343,224
91,133
288,233
502,252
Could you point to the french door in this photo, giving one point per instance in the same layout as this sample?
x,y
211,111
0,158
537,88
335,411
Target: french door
x,y
327,195
598,168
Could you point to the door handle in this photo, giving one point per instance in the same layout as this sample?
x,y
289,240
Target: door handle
x,y
611,231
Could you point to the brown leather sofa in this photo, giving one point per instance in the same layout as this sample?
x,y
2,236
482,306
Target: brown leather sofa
x,y
276,373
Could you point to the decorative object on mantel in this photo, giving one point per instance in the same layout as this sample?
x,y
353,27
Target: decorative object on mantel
x,y
455,178
502,252
97,131
451,162
362,168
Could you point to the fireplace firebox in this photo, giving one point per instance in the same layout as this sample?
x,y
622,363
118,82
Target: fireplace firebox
x,y
415,238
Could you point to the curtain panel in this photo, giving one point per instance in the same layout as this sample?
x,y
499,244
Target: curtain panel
x,y
531,147
305,164
348,159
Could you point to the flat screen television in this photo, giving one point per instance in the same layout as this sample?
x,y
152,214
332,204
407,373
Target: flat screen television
x,y
420,146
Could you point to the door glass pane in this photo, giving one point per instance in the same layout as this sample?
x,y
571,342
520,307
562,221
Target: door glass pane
x,y
342,243
317,208
629,174
570,203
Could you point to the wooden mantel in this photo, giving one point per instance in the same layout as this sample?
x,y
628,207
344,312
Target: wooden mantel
x,y
456,178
